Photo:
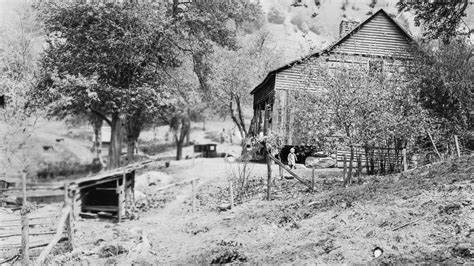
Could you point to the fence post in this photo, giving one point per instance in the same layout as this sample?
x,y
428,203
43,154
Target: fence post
x,y
70,218
267,152
312,179
231,193
344,171
456,141
194,196
359,165
25,244
405,164
120,200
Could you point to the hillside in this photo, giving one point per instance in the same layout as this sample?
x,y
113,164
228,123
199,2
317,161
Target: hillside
x,y
314,24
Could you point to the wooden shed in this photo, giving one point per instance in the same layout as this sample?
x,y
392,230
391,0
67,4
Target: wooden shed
x,y
378,42
108,192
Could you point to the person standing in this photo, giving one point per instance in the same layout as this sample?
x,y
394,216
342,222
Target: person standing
x,y
292,159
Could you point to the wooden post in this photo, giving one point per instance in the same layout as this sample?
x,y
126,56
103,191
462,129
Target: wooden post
x,y
70,218
456,141
70,229
434,146
23,181
269,166
231,194
405,164
359,165
312,179
25,244
76,202
344,171
194,196
120,201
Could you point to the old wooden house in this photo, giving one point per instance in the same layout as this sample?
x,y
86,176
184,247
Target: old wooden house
x,y
378,43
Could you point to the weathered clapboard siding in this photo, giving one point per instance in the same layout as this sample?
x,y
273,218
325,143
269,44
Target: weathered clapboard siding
x,y
379,36
265,91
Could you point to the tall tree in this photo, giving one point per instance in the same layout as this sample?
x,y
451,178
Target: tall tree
x,y
236,72
20,46
443,75
100,57
203,26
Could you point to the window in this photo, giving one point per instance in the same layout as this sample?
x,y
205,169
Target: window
x,y
2,101
375,67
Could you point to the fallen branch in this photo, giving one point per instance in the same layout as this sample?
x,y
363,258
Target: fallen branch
x,y
407,224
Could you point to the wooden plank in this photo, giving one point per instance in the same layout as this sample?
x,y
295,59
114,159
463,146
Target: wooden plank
x,y
289,171
100,208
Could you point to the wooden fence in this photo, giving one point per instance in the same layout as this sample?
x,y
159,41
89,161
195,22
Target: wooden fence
x,y
373,160
23,237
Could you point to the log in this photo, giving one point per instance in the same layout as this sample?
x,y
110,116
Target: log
x,y
59,231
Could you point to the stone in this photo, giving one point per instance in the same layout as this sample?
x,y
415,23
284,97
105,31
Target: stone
x,y
152,178
324,162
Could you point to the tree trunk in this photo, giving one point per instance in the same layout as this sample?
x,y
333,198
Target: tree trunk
x,y
115,148
241,118
349,175
134,125
179,150
235,120
180,125
97,124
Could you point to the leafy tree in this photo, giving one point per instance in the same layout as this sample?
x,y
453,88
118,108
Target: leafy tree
x,y
203,26
440,19
236,72
100,58
443,76
356,107
20,45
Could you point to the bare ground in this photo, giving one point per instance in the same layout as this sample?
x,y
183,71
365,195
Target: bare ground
x,y
425,216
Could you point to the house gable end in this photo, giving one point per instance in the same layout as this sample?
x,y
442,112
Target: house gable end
x,y
378,36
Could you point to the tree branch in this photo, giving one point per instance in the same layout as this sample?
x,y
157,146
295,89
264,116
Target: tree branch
x,y
102,116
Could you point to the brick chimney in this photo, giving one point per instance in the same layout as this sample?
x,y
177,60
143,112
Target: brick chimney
x,y
346,26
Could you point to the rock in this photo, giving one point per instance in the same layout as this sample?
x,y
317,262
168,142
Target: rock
x,y
152,178
224,207
111,250
319,154
324,162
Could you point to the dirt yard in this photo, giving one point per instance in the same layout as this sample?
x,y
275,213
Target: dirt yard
x,y
425,216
